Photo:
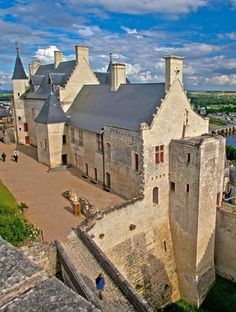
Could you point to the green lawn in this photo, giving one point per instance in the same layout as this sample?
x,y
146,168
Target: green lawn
x,y
14,227
6,197
221,298
217,122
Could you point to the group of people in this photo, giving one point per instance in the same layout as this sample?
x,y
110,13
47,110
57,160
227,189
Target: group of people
x,y
15,156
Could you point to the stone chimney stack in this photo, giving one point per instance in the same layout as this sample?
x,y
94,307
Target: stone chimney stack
x,y
173,68
34,66
118,76
58,58
82,52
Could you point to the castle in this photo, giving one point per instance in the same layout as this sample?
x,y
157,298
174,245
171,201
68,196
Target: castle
x,y
145,143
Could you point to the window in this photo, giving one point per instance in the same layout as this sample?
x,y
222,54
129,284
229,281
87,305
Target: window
x,y
64,139
18,94
187,188
95,174
25,126
100,142
20,128
108,148
81,138
33,113
172,186
45,144
72,133
155,195
159,154
165,247
19,118
218,200
86,170
136,162
188,158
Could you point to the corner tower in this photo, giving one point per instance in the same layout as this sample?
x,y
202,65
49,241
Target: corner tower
x,y
51,140
196,184
20,84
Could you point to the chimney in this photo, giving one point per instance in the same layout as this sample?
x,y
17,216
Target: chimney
x,y
173,68
118,76
81,52
58,58
34,67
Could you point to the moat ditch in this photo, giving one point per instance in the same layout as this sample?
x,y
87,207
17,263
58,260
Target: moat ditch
x,y
221,298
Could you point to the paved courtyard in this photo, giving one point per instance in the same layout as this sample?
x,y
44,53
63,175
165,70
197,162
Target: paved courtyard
x,y
42,191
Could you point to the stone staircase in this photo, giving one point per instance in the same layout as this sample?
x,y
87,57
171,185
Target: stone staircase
x,y
88,268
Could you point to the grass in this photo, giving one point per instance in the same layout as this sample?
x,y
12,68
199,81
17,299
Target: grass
x,y
14,227
217,122
221,298
6,197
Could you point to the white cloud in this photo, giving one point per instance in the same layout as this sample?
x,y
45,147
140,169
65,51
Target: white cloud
x,y
230,35
145,6
46,55
129,31
87,31
222,80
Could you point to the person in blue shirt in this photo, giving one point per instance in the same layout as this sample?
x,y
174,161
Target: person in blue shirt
x,y
100,284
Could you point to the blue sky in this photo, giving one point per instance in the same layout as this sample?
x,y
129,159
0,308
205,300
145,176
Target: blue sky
x,y
138,32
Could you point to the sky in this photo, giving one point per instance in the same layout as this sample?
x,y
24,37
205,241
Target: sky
x,y
139,33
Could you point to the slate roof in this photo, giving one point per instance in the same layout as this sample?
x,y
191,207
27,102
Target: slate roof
x,y
19,72
47,73
96,106
51,111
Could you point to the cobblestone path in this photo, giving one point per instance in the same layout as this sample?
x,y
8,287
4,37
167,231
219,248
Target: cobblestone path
x,y
89,268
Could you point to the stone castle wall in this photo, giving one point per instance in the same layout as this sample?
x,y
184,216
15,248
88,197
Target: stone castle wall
x,y
136,238
32,109
88,153
120,147
225,245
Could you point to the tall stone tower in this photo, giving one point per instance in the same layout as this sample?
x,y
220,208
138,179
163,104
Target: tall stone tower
x,y
51,140
20,84
196,184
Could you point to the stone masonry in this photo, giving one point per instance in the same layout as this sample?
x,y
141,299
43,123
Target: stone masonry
x,y
24,286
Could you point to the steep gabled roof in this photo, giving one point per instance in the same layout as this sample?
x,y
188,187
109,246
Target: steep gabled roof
x,y
51,111
19,72
58,76
132,104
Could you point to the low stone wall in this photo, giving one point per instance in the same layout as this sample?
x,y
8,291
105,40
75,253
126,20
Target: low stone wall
x,y
44,254
70,275
225,246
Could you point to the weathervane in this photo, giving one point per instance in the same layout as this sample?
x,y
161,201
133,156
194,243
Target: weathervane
x,y
17,49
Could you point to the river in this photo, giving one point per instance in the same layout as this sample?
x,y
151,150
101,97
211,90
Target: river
x,y
231,140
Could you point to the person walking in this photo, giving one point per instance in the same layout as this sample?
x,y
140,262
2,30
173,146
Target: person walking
x,y
16,155
4,156
100,284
